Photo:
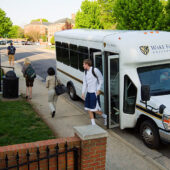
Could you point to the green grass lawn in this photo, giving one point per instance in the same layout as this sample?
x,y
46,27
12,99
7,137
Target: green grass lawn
x,y
20,124
52,47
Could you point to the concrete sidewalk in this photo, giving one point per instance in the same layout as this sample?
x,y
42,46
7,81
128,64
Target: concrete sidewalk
x,y
120,154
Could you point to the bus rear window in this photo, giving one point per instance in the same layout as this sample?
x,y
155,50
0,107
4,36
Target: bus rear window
x,y
58,51
83,54
65,54
74,56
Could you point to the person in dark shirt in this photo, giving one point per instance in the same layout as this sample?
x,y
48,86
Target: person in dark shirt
x,y
11,54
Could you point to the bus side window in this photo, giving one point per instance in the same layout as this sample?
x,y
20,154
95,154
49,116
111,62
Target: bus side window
x,y
65,54
130,93
83,54
58,51
74,56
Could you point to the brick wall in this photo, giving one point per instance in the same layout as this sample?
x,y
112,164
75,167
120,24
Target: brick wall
x,y
22,149
93,154
91,151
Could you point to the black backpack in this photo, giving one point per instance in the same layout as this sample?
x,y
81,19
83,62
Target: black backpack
x,y
94,74
11,50
30,72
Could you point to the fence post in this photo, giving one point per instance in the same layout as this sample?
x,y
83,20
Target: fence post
x,y
93,146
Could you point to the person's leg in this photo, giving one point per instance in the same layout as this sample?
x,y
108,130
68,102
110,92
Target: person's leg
x,y
30,92
51,98
91,117
27,92
12,60
9,57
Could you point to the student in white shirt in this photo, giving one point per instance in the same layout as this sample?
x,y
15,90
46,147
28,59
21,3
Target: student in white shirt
x,y
92,82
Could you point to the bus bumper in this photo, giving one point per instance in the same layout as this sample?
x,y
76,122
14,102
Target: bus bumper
x,y
164,135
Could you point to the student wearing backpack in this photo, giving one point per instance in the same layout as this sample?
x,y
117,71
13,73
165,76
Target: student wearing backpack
x,y
29,74
51,82
92,82
11,54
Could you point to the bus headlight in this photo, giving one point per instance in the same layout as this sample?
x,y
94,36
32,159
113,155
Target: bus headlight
x,y
166,121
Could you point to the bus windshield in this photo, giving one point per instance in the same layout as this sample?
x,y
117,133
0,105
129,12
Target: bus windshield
x,y
157,77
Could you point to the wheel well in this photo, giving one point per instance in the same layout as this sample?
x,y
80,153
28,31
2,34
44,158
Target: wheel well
x,y
141,119
70,84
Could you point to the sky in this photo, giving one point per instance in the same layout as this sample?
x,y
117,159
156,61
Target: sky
x,y
22,12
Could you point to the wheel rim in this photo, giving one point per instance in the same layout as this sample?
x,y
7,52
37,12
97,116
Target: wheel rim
x,y
148,135
71,92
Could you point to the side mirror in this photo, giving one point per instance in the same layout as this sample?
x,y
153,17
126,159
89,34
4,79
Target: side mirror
x,y
145,93
162,108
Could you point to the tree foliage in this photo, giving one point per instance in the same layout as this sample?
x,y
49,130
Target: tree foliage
x,y
167,18
139,14
107,13
52,40
33,35
5,24
89,15
43,20
16,32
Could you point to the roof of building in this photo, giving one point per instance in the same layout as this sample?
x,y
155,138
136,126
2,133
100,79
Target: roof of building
x,y
63,20
39,23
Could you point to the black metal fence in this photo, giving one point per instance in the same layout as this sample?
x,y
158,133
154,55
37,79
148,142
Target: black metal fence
x,y
47,157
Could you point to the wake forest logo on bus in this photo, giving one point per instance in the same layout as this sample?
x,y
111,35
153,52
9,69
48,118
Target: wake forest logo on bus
x,y
155,49
144,49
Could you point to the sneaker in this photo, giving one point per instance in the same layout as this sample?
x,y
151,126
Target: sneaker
x,y
53,114
105,121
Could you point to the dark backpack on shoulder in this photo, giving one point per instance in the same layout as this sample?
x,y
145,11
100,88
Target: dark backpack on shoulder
x,y
30,73
11,50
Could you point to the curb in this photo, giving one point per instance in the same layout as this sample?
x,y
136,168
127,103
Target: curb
x,y
139,152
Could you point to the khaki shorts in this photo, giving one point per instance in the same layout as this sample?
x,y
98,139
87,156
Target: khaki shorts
x,y
11,57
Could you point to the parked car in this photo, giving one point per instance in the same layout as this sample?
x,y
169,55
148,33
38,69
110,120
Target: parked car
x,y
9,41
2,42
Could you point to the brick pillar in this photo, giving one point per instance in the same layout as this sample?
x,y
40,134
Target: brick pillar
x,y
93,147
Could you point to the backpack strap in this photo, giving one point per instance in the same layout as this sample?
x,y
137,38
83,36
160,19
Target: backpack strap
x,y
94,74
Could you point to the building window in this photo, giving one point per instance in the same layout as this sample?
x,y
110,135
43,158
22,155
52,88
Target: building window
x,y
74,56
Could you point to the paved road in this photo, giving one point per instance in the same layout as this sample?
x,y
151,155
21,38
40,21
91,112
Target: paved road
x,y
41,60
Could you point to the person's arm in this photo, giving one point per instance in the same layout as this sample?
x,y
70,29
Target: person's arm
x,y
47,82
100,80
84,86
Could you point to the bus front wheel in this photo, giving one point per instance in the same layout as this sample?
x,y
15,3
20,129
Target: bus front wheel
x,y
150,135
72,92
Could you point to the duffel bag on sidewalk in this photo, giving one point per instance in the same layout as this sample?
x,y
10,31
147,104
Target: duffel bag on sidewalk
x,y
60,89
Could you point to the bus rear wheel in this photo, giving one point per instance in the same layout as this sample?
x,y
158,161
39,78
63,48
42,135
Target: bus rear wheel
x,y
72,92
150,135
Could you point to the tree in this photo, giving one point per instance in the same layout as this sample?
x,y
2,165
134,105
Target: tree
x,y
89,15
33,35
43,20
16,32
5,24
139,14
107,13
52,40
167,18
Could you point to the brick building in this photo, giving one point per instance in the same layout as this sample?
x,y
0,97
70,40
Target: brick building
x,y
37,26
60,25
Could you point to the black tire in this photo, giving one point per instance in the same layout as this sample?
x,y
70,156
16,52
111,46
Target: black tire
x,y
72,92
149,134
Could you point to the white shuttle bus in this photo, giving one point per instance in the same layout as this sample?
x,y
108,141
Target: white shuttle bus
x,y
136,70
